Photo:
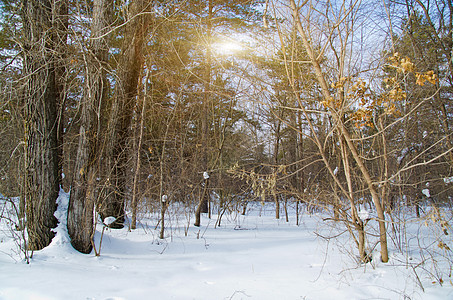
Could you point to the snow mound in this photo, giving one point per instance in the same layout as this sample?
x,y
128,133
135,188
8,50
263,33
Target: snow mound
x,y
109,220
61,232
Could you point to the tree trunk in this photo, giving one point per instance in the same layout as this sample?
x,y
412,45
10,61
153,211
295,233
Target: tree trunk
x,y
344,132
163,209
42,159
374,195
205,121
276,162
82,198
61,24
126,89
277,205
202,203
364,257
358,223
417,209
138,132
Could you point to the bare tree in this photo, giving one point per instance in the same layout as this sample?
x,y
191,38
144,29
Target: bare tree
x,y
339,22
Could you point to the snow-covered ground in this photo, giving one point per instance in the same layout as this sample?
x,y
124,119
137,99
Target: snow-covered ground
x,y
249,257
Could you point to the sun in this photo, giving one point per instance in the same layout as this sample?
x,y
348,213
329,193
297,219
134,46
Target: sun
x,y
227,47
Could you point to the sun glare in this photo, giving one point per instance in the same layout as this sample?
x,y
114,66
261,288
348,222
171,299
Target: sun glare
x,y
227,47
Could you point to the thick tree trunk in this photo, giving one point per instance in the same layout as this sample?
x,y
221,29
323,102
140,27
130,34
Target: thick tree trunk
x,y
138,132
82,198
129,69
61,24
42,160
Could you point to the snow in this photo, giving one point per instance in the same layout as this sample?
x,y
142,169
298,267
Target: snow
x,y
426,193
364,214
205,175
335,171
109,220
403,154
249,257
448,180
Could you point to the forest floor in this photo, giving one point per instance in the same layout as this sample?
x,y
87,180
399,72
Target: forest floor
x,y
251,256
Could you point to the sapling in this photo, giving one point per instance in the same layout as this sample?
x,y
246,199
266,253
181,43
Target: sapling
x,y
11,214
106,222
202,202
164,204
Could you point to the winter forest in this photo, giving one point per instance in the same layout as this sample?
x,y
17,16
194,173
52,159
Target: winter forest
x,y
262,149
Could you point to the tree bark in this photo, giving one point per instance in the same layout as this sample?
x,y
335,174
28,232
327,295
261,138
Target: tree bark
x,y
276,161
138,133
205,121
200,205
42,155
82,198
126,89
